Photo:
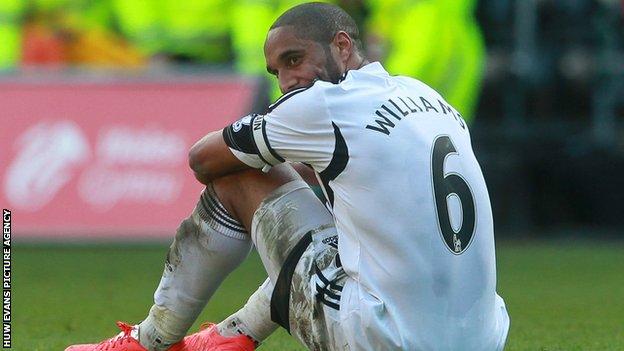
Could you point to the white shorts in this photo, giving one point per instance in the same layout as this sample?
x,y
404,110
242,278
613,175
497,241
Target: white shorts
x,y
297,241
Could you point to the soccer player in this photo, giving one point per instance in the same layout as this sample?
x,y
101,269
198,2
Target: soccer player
x,y
402,257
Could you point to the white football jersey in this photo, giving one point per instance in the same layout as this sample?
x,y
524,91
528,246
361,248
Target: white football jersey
x,y
410,204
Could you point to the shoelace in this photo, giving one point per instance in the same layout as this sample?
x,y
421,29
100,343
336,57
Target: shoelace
x,y
118,340
205,325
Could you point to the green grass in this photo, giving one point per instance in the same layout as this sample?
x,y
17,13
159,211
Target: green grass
x,y
560,297
563,296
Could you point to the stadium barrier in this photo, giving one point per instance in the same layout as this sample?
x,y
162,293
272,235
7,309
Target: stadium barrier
x,y
107,159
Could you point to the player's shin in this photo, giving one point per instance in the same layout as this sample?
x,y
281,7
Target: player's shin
x,y
207,247
254,319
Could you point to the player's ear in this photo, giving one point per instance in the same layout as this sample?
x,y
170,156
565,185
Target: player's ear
x,y
344,44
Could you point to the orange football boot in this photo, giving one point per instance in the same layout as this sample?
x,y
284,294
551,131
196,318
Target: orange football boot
x,y
121,342
207,339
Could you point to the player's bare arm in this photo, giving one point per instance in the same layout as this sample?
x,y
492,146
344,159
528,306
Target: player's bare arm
x,y
210,158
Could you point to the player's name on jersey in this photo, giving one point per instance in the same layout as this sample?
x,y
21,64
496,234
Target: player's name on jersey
x,y
403,106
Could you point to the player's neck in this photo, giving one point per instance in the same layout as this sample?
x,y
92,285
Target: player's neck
x,y
356,62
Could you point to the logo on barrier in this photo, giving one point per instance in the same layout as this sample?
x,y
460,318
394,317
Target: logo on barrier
x,y
134,165
47,158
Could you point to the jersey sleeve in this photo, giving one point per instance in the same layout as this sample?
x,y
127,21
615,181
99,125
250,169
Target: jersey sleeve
x,y
239,138
296,129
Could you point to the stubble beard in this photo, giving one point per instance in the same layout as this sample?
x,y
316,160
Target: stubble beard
x,y
331,67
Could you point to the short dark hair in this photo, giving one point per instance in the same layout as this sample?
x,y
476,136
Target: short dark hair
x,y
319,22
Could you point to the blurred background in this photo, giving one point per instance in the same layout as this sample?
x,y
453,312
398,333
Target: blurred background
x,y
102,98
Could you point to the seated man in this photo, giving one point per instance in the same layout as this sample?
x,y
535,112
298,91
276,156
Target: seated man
x,y
403,259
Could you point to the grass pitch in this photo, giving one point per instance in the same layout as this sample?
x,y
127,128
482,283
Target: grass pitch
x,y
559,296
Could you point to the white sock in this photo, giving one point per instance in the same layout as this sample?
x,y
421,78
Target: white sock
x,y
161,329
254,319
208,246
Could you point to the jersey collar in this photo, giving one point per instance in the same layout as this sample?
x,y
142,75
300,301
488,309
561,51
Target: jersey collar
x,y
374,68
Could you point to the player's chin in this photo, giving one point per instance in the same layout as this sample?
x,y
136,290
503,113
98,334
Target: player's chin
x,y
333,78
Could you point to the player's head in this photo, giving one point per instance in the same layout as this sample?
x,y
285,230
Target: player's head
x,y
312,41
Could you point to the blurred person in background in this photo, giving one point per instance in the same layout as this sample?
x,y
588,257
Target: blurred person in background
x,y
435,41
11,14
177,31
74,33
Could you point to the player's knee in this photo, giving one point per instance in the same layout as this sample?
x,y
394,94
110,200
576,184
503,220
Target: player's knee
x,y
229,190
253,183
236,190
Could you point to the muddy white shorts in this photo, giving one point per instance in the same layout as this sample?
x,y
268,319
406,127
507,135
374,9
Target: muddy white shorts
x,y
297,241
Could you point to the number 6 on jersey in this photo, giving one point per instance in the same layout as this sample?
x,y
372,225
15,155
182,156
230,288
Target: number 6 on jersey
x,y
445,186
